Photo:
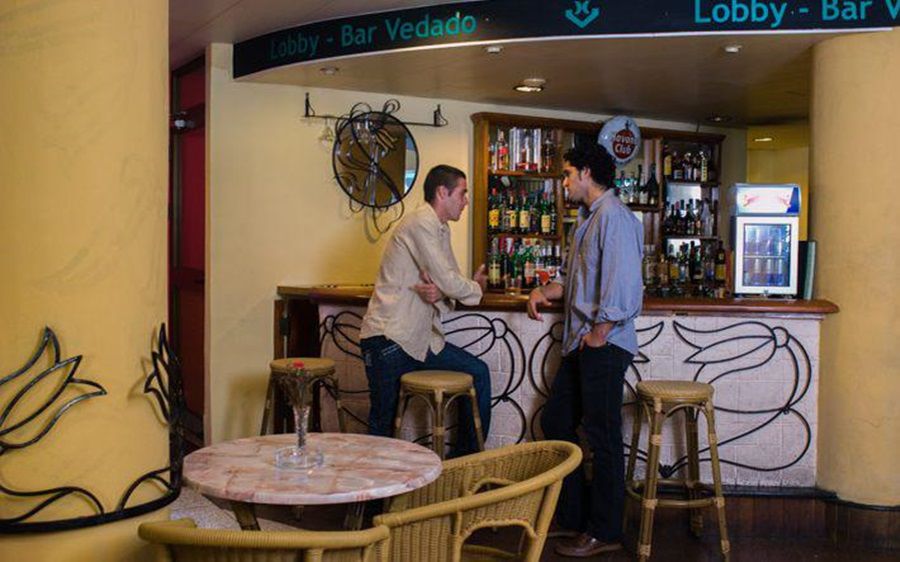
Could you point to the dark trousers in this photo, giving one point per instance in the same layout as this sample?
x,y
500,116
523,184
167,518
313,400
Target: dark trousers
x,y
386,362
588,390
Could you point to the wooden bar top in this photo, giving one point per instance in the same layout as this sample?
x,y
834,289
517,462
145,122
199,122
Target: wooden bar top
x,y
358,295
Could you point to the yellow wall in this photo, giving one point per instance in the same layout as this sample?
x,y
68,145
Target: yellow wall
x,y
855,121
277,218
83,168
785,160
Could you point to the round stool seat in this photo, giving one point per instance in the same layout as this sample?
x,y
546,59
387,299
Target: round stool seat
x,y
676,391
315,366
430,381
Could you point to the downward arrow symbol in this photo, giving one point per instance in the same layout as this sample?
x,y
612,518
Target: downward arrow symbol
x,y
582,22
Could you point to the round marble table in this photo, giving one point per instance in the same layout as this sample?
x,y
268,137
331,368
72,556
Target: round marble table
x,y
357,468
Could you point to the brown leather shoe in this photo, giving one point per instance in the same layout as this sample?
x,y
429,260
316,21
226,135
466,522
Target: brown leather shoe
x,y
585,545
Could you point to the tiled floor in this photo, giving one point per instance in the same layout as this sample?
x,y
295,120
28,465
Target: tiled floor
x,y
671,541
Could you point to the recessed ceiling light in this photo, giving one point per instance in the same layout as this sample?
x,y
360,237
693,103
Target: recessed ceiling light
x,y
732,49
529,89
329,70
534,81
764,139
719,118
493,49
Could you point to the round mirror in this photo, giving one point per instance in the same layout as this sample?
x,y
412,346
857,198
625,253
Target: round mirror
x,y
375,158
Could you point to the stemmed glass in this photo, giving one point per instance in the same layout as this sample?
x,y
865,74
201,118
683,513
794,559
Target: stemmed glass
x,y
297,385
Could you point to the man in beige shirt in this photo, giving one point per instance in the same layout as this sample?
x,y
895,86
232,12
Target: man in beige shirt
x,y
419,280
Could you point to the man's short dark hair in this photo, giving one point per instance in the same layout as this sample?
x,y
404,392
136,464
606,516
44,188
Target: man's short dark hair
x,y
594,157
442,174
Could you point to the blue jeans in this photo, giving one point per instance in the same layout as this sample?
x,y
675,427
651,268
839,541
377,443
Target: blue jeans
x,y
386,362
587,391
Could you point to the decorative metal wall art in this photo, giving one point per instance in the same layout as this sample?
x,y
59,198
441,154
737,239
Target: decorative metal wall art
x,y
375,158
163,383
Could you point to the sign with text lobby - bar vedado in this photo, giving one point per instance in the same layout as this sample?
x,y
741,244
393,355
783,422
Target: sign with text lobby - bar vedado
x,y
498,20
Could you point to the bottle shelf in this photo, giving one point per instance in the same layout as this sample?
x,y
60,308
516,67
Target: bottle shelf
x,y
702,184
520,235
689,237
644,208
524,174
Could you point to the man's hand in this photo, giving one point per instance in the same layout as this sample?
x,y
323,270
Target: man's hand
x,y
536,298
427,290
597,336
481,277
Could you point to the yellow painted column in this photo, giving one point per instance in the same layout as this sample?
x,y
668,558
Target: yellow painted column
x,y
83,194
855,216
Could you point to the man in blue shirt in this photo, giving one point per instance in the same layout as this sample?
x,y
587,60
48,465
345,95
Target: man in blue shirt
x,y
603,289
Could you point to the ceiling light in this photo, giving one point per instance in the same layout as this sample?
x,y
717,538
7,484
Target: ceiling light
x,y
719,118
764,139
529,89
732,49
493,49
329,70
534,82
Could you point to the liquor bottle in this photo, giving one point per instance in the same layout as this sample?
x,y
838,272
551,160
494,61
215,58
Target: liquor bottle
x,y
677,167
502,152
652,187
546,222
684,265
689,220
511,222
704,167
553,213
493,212
495,280
667,162
709,266
698,219
548,153
528,270
672,258
536,212
648,265
524,214
662,270
696,265
720,265
642,189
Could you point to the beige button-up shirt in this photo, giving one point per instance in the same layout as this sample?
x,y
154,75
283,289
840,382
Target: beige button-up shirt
x,y
420,243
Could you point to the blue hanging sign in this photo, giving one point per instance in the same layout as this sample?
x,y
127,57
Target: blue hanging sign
x,y
501,20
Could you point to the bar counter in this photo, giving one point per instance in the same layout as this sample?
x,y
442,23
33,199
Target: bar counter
x,y
760,355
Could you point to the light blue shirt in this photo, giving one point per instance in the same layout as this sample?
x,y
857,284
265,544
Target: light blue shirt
x,y
602,274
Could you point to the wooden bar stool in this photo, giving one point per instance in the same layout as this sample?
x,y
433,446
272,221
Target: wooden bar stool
x,y
658,400
322,373
438,389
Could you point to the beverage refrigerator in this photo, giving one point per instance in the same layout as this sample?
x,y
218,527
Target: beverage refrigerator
x,y
764,236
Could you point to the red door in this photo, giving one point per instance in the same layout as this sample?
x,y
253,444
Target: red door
x,y
187,236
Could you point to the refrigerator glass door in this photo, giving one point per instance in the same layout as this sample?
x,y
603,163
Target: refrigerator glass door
x,y
766,260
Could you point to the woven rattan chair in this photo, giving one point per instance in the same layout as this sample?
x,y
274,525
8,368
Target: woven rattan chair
x,y
513,486
184,542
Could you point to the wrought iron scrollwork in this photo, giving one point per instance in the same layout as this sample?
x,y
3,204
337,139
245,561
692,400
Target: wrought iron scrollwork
x,y
164,383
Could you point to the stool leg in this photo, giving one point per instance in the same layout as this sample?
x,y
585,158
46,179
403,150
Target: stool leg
x,y
693,468
438,427
717,479
267,409
476,419
632,460
648,504
342,416
402,401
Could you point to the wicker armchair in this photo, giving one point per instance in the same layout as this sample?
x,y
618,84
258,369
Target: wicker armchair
x,y
512,486
184,542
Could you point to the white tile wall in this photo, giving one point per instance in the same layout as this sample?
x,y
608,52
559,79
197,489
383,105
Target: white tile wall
x,y
748,360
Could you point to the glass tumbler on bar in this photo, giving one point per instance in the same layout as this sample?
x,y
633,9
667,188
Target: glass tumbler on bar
x,y
297,386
